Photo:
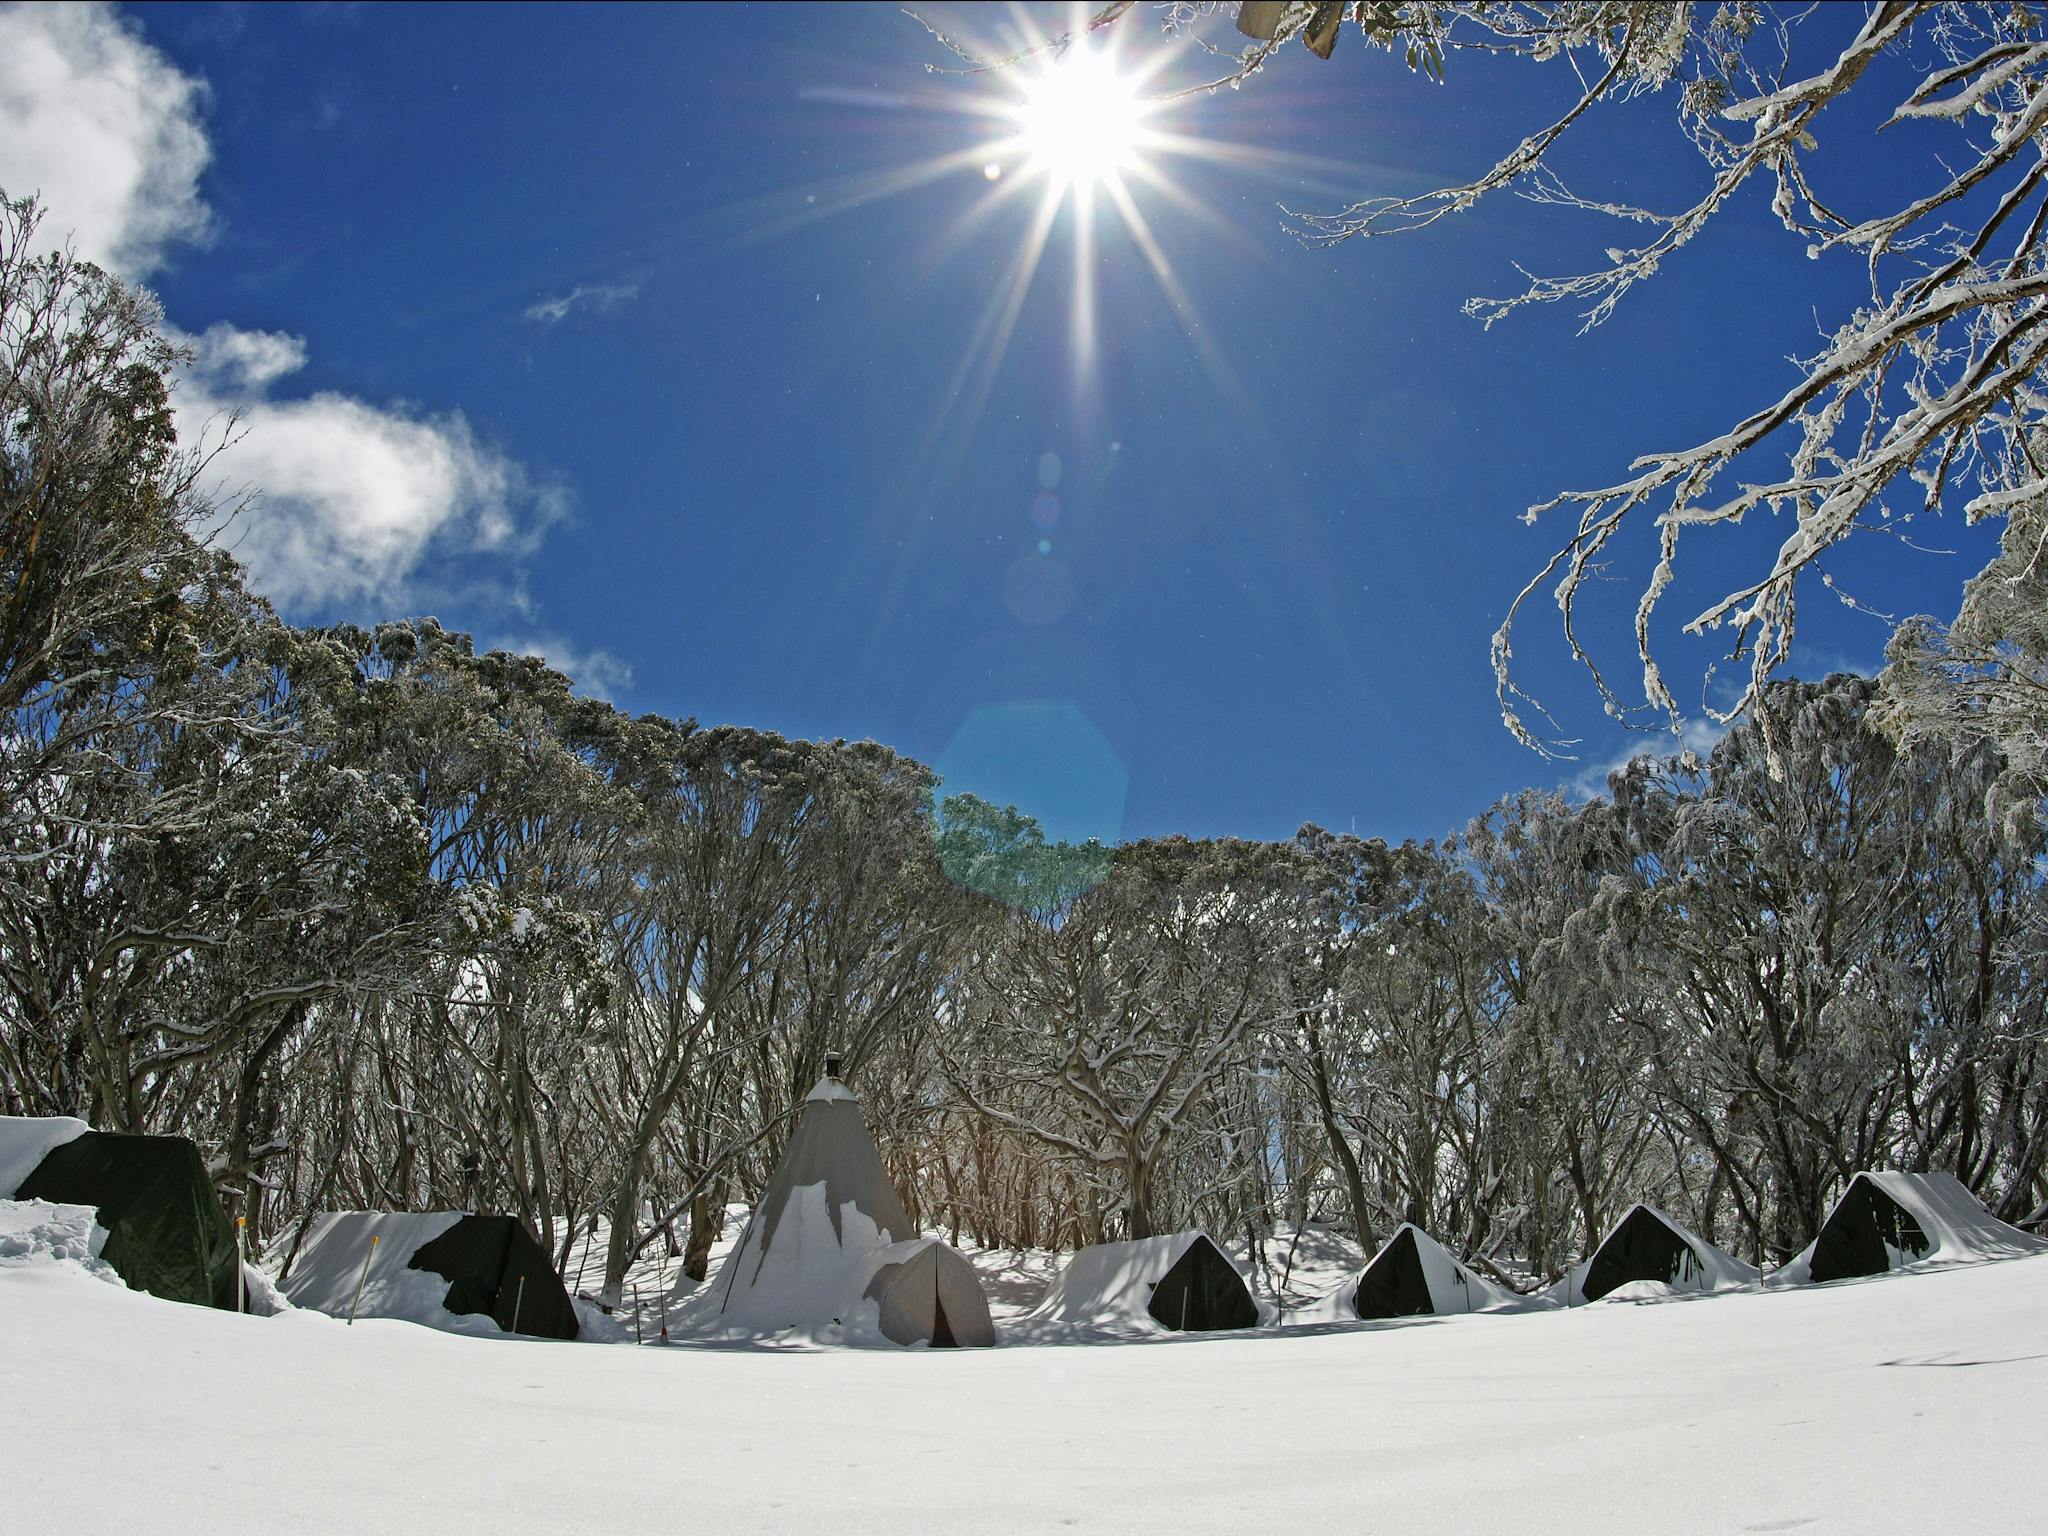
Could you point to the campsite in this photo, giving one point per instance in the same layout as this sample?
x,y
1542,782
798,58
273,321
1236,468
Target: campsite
x,y
1082,765
1083,1418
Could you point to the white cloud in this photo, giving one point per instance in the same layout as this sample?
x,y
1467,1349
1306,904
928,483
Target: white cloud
x,y
598,674
347,500
597,296
1697,736
106,129
227,358
351,505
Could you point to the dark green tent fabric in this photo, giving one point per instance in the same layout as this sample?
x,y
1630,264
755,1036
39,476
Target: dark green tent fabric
x,y
1641,1248
1203,1292
166,1231
1864,1220
485,1259
1393,1284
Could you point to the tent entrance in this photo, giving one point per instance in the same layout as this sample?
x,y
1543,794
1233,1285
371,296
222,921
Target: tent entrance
x,y
1202,1292
1641,1248
1865,1224
942,1331
1394,1284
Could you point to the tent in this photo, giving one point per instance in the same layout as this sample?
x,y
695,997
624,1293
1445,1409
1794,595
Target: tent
x,y
1414,1276
829,1236
447,1269
928,1294
1647,1245
166,1231
1885,1221
1181,1281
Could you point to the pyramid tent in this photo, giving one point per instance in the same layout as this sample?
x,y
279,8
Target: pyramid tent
x,y
1181,1281
1647,1245
446,1269
829,1235
1885,1221
166,1231
1413,1275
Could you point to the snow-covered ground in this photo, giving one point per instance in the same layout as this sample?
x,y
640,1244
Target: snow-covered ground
x,y
1909,1402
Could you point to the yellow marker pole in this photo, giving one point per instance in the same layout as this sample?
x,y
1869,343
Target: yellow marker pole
x,y
241,1260
357,1298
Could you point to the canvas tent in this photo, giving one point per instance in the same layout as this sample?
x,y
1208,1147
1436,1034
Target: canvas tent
x,y
166,1231
1885,1221
927,1294
447,1269
1181,1281
1414,1276
829,1245
1647,1245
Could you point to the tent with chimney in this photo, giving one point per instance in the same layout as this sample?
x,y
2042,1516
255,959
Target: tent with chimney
x,y
452,1270
830,1247
1647,1247
1413,1275
1180,1281
1885,1221
165,1230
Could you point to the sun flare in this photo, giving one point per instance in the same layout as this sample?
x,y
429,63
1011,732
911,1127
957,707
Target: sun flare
x,y
1081,123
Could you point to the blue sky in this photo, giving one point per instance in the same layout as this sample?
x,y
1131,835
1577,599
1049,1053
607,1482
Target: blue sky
x,y
597,331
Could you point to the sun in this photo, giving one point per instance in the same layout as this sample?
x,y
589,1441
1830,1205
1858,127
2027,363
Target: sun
x,y
1081,124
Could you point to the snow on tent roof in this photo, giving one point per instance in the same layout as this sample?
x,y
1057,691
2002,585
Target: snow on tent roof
x,y
26,1141
447,1269
808,1249
1646,1244
166,1231
1181,1281
1886,1221
1413,1275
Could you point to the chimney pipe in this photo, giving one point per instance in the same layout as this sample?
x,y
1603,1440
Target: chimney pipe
x,y
832,1064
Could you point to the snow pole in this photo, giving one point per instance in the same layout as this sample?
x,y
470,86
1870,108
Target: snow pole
x,y
241,1260
661,1293
356,1299
637,1339
518,1302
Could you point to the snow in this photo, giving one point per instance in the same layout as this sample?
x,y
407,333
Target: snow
x,y
1892,1403
830,1091
25,1142
39,1232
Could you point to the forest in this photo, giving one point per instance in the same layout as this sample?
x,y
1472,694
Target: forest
x,y
383,922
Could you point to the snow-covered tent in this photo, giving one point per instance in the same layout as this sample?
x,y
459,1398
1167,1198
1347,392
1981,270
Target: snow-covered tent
x,y
1413,1275
828,1237
165,1230
928,1294
1181,1281
1885,1221
1647,1245
447,1269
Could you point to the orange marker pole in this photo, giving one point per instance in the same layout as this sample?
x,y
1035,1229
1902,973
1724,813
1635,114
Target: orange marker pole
x,y
241,1263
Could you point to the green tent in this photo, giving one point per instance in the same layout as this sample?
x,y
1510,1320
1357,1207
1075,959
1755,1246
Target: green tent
x,y
494,1267
166,1231
376,1264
